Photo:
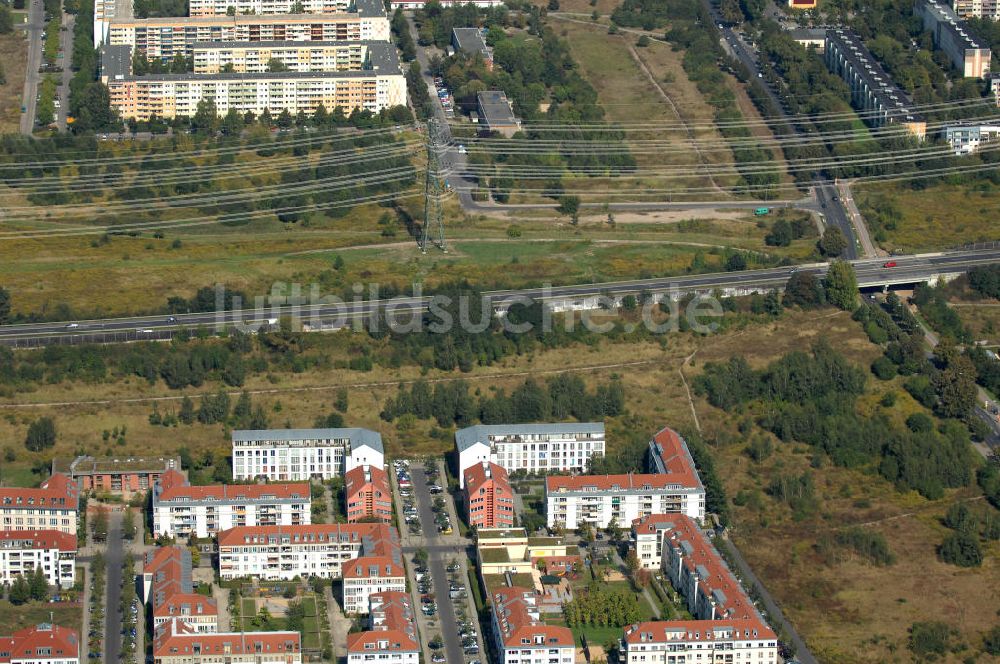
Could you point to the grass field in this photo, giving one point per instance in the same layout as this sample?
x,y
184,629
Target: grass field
x,y
13,618
939,217
14,58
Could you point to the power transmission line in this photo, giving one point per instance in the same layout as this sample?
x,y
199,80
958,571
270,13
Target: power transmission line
x,y
433,214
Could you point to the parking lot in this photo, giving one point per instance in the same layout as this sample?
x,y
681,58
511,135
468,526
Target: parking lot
x,y
438,565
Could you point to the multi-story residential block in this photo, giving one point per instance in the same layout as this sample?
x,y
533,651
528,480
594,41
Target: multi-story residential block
x,y
968,138
678,641
168,589
391,637
24,551
873,93
258,7
597,500
366,556
182,510
119,475
989,9
167,37
367,494
168,96
726,623
302,56
301,454
43,644
534,448
967,54
419,4
369,575
175,642
52,506
489,500
521,637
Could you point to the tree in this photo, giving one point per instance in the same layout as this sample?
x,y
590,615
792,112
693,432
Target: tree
x,y
232,124
128,525
780,235
20,591
38,585
41,434
341,400
804,290
186,414
569,206
206,117
833,243
991,641
6,20
736,262
841,285
276,65
961,549
642,42
94,111
4,306
956,387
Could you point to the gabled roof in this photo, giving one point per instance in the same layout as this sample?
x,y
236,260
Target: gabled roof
x,y
661,631
360,476
671,457
174,487
171,591
37,539
175,639
479,474
368,535
57,492
61,642
469,436
516,616
358,437
371,567
392,627
629,482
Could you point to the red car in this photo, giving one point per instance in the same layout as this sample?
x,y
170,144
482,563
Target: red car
x,y
889,264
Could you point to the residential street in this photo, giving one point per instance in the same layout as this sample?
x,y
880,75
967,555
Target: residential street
x,y
35,25
115,557
65,53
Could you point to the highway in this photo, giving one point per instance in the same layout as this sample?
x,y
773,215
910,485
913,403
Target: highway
x,y
34,26
328,315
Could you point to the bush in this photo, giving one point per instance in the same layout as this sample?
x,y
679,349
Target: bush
x,y
883,368
991,641
962,550
928,639
41,434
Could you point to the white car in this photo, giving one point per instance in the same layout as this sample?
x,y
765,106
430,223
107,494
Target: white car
x,y
462,150
72,326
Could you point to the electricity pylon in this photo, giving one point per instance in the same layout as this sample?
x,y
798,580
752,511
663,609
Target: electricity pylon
x,y
433,216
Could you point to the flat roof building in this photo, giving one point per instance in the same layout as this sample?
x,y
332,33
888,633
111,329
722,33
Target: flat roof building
x,y
301,454
531,448
873,93
223,7
496,113
967,54
300,56
470,41
969,138
120,475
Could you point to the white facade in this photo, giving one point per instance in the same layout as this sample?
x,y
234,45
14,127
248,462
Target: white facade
x,y
212,58
358,589
977,8
534,448
21,553
597,500
223,7
677,642
301,454
419,4
521,637
967,139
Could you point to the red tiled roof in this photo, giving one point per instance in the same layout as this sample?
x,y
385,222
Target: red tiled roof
x,y
175,639
37,539
360,476
231,492
361,568
676,458
57,492
511,612
659,631
479,474
171,593
653,523
392,614
309,534
63,642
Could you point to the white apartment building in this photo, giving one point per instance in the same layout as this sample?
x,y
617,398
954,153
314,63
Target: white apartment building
x,y
24,551
419,4
968,139
699,641
254,58
352,551
301,454
257,7
42,644
182,510
175,642
370,575
648,533
989,9
169,36
520,635
534,448
168,588
600,499
52,506
391,637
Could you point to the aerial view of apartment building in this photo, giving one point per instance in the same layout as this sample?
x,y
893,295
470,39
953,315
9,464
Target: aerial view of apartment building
x,y
367,494
302,454
533,448
673,486
175,642
391,637
41,644
52,506
489,500
24,551
123,475
182,510
521,636
168,588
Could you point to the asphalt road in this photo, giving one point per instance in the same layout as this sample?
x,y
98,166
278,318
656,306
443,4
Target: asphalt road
x,y
115,559
438,555
66,51
35,25
332,315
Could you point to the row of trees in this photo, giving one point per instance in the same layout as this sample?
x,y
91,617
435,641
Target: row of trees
x,y
601,607
559,398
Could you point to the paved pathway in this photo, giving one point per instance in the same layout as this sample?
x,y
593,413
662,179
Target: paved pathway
x,y
115,557
340,625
